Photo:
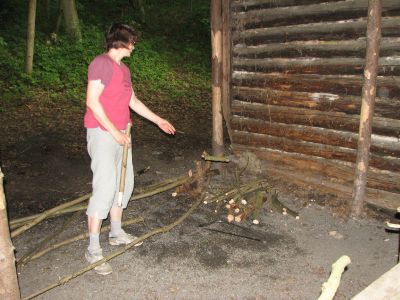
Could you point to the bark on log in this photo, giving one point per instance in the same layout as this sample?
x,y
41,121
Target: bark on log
x,y
245,5
334,84
368,104
306,13
9,288
308,117
323,177
388,108
216,45
323,31
337,170
388,66
312,149
381,145
317,48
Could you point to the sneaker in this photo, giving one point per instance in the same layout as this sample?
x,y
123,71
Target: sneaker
x,y
104,268
123,239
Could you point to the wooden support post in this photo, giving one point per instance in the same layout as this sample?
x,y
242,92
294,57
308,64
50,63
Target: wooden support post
x,y
9,288
226,65
368,103
216,44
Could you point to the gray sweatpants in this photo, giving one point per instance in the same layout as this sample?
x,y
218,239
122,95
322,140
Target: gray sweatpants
x,y
106,155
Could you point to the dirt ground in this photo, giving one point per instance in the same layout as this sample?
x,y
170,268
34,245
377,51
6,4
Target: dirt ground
x,y
45,164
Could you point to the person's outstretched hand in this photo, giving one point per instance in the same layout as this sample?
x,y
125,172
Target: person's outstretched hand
x,y
166,126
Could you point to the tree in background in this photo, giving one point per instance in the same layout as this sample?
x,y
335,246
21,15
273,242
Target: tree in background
x,y
30,41
71,20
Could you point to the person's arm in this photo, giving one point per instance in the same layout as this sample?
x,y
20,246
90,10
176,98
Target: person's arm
x,y
137,106
94,90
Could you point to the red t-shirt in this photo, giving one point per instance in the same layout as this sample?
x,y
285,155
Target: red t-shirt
x,y
116,94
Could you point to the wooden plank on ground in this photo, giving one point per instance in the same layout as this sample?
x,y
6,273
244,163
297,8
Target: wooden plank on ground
x,y
386,286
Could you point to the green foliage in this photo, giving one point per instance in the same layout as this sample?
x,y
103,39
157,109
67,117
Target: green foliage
x,y
170,63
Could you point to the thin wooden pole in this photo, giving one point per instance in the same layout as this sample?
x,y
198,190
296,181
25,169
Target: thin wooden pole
x,y
367,105
216,44
226,65
30,39
9,288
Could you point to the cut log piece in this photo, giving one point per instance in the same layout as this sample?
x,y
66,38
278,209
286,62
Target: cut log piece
x,y
324,31
316,118
384,107
246,5
388,66
312,149
308,13
316,48
334,84
336,170
326,184
381,145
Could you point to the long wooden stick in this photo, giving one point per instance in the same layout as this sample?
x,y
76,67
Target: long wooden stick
x,y
47,213
80,237
368,104
121,251
26,257
21,221
123,167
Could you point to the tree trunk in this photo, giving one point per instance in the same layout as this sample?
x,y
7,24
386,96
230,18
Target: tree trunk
x,y
30,41
368,104
216,43
8,276
71,20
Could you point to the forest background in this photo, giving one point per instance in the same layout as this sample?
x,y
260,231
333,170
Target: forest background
x,y
170,65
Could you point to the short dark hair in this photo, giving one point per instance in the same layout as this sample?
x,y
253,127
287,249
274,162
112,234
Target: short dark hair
x,y
120,36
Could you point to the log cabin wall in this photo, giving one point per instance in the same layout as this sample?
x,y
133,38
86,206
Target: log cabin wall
x,y
296,83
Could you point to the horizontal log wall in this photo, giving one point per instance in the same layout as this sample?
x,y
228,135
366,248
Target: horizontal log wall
x,y
297,77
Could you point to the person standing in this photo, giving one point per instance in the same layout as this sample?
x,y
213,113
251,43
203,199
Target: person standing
x,y
108,99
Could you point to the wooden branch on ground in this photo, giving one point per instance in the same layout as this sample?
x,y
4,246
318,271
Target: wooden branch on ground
x,y
121,251
71,206
207,157
278,206
245,189
46,214
80,237
14,224
330,287
25,258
